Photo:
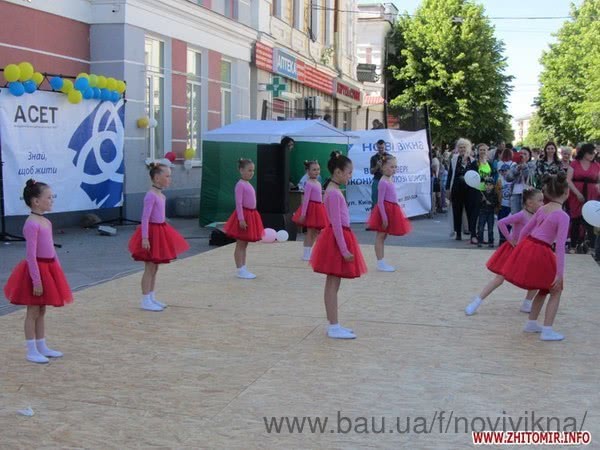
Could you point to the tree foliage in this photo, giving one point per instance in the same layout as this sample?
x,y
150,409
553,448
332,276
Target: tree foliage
x,y
455,67
537,135
569,101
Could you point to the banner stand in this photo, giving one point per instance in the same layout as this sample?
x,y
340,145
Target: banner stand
x,y
4,236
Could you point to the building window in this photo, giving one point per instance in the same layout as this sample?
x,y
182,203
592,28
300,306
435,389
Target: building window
x,y
225,92
231,8
277,8
314,20
298,22
154,50
194,105
328,24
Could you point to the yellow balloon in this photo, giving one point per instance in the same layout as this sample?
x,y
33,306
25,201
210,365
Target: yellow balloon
x,y
111,84
26,71
67,86
189,153
93,80
143,122
75,96
12,73
121,86
83,75
101,83
37,78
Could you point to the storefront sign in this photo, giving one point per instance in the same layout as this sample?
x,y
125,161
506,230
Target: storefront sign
x,y
285,64
347,93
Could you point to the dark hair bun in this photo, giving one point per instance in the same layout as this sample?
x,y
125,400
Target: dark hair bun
x,y
30,182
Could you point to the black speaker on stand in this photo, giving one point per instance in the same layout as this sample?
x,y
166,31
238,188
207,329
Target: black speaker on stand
x,y
273,186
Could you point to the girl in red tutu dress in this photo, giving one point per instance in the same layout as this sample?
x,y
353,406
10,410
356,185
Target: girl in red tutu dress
x,y
155,241
39,280
387,217
337,253
311,214
533,264
244,224
533,200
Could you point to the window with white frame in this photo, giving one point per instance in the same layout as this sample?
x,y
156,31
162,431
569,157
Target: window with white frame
x,y
314,20
231,8
194,105
328,33
277,8
298,9
154,58
225,92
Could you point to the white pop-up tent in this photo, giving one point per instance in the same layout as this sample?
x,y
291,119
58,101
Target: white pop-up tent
x,y
273,131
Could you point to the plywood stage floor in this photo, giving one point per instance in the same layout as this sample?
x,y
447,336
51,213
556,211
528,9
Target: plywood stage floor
x,y
227,353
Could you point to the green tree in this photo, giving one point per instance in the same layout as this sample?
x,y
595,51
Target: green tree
x,y
537,135
447,57
569,101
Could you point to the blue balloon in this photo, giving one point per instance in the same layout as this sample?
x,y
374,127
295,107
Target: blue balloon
x,y
56,83
88,93
29,86
105,95
81,84
16,88
97,93
115,96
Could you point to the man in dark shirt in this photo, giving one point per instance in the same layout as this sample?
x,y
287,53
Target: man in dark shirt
x,y
376,161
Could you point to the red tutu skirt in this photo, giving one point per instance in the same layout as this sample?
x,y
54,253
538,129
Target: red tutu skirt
x,y
316,216
531,265
398,224
326,256
498,259
165,244
19,287
254,230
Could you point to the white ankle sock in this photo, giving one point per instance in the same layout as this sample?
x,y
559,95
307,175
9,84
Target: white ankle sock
x,y
334,326
545,328
533,322
146,297
31,347
44,350
307,251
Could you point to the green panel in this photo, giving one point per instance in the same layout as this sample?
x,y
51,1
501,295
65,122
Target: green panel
x,y
219,175
312,150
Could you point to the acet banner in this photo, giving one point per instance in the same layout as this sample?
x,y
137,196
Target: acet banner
x,y
412,179
75,148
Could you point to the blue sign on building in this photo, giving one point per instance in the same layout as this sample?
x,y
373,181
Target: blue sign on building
x,y
285,64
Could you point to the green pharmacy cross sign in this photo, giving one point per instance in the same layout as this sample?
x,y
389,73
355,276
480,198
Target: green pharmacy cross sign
x,y
277,86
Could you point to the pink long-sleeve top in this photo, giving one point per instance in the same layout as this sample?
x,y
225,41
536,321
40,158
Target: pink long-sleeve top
x,y
39,244
312,192
550,227
153,212
245,197
337,210
517,222
386,192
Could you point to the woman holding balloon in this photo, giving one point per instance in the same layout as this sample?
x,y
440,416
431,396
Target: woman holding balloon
x,y
459,191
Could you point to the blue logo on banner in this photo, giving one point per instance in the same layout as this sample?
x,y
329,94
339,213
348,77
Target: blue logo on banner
x,y
98,146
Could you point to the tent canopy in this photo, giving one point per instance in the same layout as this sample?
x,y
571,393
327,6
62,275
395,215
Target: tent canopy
x,y
273,131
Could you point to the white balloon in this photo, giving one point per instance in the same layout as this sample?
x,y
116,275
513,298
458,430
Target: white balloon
x,y
591,212
282,236
153,123
473,179
187,164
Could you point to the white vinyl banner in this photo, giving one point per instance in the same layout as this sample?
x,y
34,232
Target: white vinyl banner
x,y
76,149
412,179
